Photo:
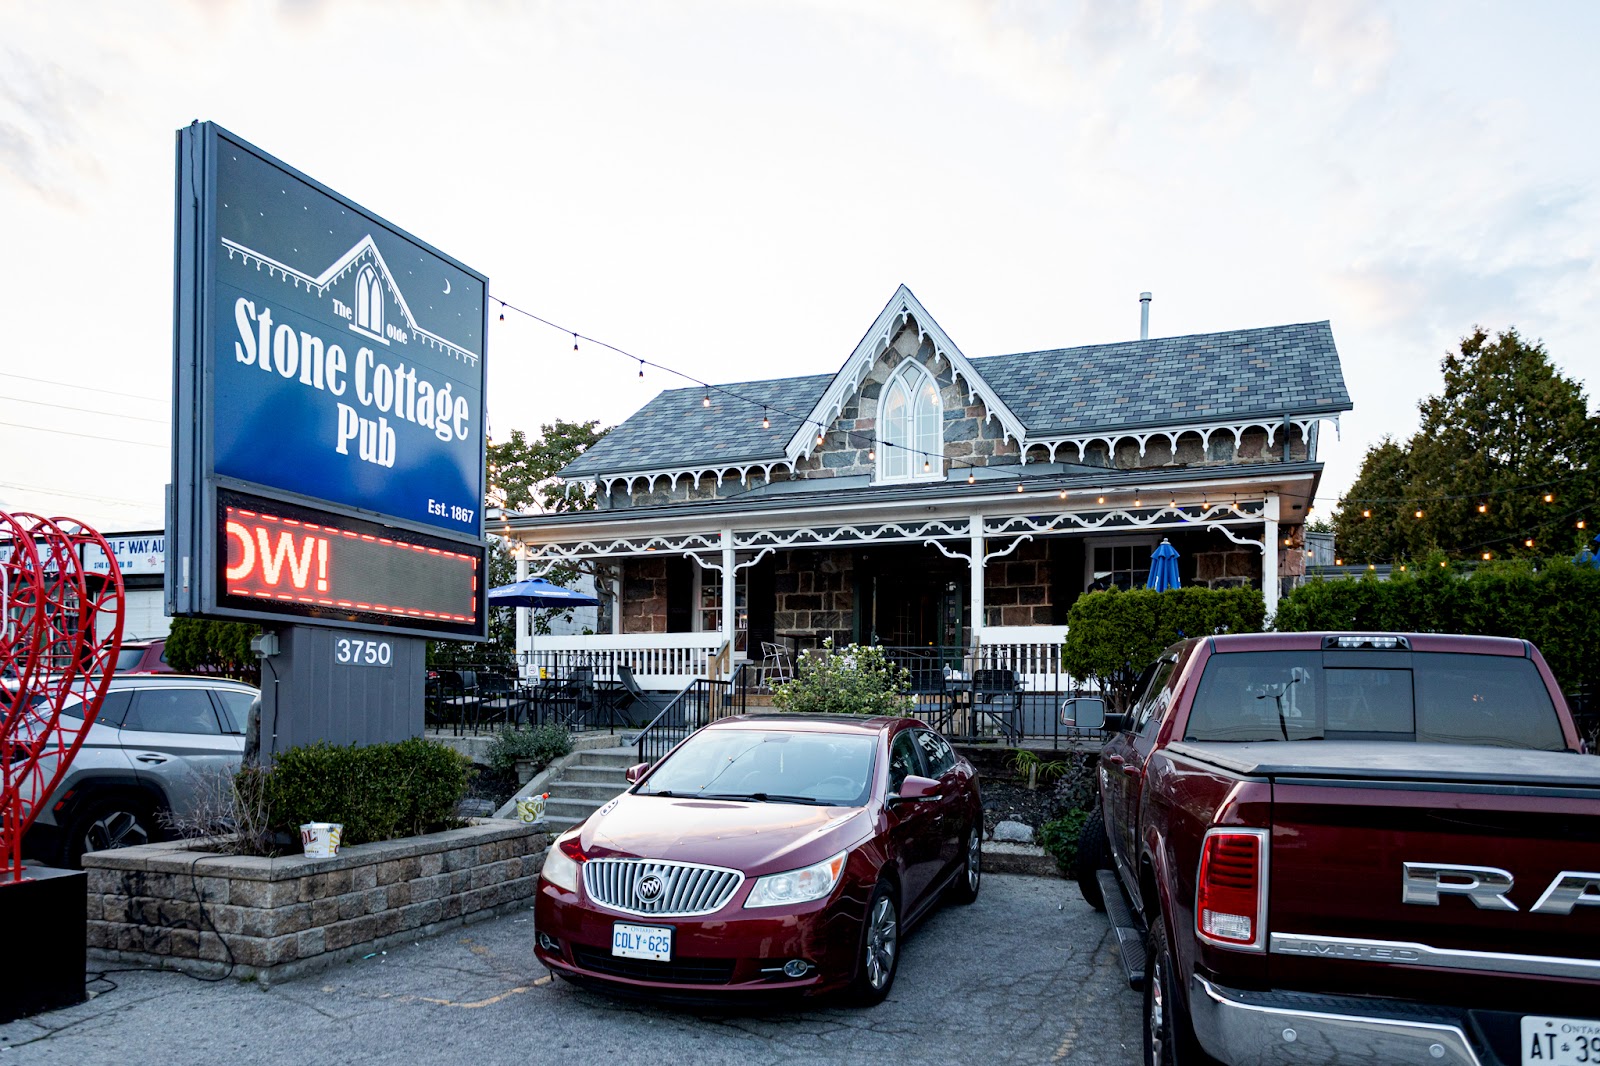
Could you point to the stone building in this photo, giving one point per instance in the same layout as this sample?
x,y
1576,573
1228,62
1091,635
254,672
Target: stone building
x,y
920,497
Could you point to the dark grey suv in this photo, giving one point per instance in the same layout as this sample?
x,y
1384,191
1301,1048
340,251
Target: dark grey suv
x,y
145,760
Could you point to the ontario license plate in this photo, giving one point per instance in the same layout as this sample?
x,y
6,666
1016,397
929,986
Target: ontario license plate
x,y
654,942
1560,1041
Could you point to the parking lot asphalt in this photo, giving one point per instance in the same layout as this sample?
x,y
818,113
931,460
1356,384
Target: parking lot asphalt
x,y
1028,974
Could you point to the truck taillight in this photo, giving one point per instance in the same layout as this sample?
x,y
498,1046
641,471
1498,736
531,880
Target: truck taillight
x,y
1231,900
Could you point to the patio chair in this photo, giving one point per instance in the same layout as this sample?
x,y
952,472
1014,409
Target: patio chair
x,y
498,702
628,693
997,695
775,663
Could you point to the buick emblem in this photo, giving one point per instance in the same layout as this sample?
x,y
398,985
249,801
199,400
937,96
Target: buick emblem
x,y
648,890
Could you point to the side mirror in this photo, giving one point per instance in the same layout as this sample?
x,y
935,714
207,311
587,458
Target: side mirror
x,y
1115,723
916,789
1084,712
633,773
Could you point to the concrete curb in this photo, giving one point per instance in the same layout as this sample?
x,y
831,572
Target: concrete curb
x,y
999,858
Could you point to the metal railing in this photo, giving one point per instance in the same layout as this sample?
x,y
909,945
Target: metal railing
x,y
701,702
1008,694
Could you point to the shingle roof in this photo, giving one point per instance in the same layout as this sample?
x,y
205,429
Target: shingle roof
x,y
676,430
1204,377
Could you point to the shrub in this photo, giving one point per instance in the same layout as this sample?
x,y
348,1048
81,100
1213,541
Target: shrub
x,y
1113,635
1059,838
1077,786
857,680
201,646
1553,603
543,744
377,792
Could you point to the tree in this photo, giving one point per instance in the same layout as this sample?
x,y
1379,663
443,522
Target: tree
x,y
203,646
522,471
1507,431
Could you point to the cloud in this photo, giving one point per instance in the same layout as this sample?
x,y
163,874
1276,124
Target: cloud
x,y
42,127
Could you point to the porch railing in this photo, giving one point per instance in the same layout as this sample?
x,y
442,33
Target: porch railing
x,y
660,661
698,704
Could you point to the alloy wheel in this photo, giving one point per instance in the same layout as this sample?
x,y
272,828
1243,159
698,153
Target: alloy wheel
x,y
974,861
882,936
115,829
1156,1023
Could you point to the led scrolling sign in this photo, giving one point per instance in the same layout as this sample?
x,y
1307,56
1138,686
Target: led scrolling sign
x,y
297,560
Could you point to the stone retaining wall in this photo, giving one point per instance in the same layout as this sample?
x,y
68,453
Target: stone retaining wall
x,y
171,905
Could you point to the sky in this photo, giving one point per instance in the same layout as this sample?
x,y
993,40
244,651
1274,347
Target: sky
x,y
735,189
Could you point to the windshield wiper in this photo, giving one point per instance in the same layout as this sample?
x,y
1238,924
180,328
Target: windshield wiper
x,y
762,797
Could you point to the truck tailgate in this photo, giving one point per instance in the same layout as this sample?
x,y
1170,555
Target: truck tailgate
x,y
1503,879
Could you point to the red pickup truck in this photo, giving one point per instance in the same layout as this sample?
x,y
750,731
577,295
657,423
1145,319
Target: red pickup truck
x,y
1353,848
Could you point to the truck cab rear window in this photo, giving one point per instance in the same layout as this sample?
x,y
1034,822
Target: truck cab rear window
x,y
1441,698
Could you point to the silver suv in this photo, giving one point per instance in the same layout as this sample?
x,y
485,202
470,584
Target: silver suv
x,y
144,761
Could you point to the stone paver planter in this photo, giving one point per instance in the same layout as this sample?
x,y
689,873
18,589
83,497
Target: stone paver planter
x,y
169,904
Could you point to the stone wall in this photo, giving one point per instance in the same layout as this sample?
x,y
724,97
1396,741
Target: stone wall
x,y
168,905
1017,588
815,593
644,596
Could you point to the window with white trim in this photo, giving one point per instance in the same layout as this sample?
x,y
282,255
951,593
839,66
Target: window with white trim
x,y
369,301
910,426
1123,562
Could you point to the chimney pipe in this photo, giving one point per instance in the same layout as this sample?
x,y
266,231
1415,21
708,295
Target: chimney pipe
x,y
1144,316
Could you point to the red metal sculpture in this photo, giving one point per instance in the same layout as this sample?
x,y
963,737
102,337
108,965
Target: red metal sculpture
x,y
60,630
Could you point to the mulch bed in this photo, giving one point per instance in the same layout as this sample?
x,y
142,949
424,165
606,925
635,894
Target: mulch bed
x,y
1012,801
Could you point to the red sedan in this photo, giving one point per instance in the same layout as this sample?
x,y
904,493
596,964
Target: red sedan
x,y
765,853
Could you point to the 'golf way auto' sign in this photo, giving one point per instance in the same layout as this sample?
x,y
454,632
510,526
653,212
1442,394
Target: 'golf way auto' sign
x,y
328,361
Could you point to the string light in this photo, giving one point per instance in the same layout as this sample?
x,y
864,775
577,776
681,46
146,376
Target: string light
x,y
1063,494
574,341
1338,562
1019,486
1528,543
926,466
819,436
872,455
1483,508
1443,563
1582,524
766,423
1419,514
641,368
972,479
1366,514
1100,499
1549,497
705,401
1487,556
1137,502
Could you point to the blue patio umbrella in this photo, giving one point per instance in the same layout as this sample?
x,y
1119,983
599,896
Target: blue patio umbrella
x,y
537,592
1163,567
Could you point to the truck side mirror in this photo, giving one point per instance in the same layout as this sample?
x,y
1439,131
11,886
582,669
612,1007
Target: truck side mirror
x,y
1084,712
1115,723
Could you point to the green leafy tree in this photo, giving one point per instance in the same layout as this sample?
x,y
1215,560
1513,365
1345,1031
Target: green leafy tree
x,y
1507,430
202,646
856,680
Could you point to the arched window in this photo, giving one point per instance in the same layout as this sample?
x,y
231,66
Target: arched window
x,y
369,301
911,426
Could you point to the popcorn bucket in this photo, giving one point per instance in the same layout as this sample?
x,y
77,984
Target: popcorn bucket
x,y
531,809
321,839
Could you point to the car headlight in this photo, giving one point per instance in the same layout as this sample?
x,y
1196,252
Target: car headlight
x,y
560,868
797,886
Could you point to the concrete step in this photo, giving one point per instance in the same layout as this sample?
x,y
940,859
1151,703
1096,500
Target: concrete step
x,y
598,775
556,824
621,757
576,790
576,806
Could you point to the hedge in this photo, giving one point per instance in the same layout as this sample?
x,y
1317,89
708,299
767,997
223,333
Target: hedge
x,y
1113,635
1553,603
378,792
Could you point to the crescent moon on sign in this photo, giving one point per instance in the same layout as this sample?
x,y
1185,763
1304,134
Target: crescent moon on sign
x,y
447,286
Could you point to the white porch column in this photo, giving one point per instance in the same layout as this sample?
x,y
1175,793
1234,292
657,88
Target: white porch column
x,y
616,601
524,616
975,528
1269,556
730,615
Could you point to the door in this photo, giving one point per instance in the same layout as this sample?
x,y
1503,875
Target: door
x,y
176,740
940,760
914,832
1122,762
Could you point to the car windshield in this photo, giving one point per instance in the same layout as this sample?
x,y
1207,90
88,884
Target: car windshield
x,y
1432,697
128,658
773,766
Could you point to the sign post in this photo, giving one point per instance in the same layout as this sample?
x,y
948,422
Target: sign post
x,y
328,444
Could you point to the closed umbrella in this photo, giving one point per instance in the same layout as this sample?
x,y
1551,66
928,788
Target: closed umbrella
x,y
1163,567
1587,557
537,592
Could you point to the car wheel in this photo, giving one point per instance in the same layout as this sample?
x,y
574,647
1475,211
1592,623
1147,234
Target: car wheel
x,y
964,889
880,948
120,821
1169,1038
1094,855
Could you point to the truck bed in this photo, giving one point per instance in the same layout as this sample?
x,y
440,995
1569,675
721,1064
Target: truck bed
x,y
1364,760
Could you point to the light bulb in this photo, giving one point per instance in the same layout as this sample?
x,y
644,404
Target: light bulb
x,y
972,479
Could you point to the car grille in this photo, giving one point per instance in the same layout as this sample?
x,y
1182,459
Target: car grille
x,y
682,888
683,972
